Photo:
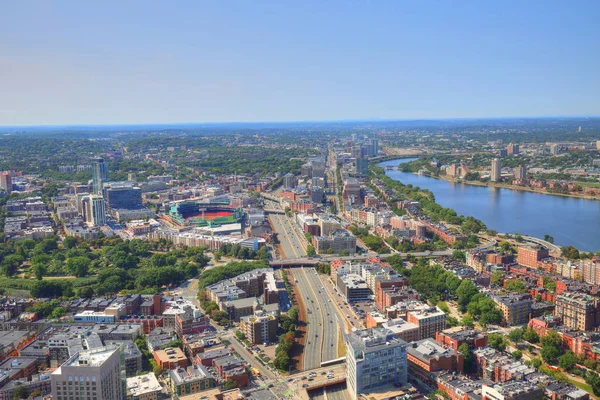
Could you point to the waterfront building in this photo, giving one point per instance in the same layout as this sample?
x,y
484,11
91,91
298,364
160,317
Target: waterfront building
x,y
496,173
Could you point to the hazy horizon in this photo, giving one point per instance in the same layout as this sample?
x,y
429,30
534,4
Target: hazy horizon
x,y
79,63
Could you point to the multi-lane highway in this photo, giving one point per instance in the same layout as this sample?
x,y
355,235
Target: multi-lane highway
x,y
329,313
321,342
291,243
311,357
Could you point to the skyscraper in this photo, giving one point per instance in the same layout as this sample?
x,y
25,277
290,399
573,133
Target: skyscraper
x,y
496,174
90,374
6,182
99,174
362,166
373,147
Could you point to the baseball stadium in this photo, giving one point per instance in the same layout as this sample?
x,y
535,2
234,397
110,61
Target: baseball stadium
x,y
199,213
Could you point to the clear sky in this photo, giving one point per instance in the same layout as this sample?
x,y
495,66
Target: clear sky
x,y
110,62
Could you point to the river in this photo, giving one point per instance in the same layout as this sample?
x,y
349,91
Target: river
x,y
569,220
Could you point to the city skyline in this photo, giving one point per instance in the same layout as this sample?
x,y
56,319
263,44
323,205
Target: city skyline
x,y
73,64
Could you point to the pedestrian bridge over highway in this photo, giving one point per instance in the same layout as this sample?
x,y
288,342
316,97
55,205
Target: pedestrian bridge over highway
x,y
273,211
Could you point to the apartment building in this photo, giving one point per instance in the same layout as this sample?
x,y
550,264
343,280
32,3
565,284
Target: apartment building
x,y
90,374
260,327
430,321
515,308
578,311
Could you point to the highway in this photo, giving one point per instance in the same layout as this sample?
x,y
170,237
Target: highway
x,y
291,244
329,313
311,357
337,392
323,319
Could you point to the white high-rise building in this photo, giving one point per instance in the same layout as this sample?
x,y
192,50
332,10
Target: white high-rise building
x,y
95,213
90,374
496,174
374,358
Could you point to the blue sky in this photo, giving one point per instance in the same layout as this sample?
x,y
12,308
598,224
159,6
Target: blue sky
x,y
74,62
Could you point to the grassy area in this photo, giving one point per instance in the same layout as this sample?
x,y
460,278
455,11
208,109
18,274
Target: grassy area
x,y
18,293
589,184
49,278
341,347
582,386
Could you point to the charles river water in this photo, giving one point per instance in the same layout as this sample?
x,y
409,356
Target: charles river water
x,y
570,221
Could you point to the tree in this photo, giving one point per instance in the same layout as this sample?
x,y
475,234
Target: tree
x,y
85,291
517,354
20,392
570,252
39,271
58,312
496,341
310,250
515,285
79,266
157,369
592,379
567,361
467,321
516,335
11,263
293,314
531,336
552,338
218,315
240,335
550,354
69,242
548,238
230,384
551,346
467,354
465,291
459,255
396,262
282,362
497,278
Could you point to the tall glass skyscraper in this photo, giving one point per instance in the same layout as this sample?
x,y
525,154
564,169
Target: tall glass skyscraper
x,y
99,174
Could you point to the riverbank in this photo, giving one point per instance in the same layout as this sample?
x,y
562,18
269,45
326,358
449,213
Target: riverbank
x,y
513,187
566,218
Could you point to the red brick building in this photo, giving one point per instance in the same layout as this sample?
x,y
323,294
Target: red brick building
x,y
454,337
530,255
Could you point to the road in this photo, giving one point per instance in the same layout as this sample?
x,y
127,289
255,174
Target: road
x,y
329,313
323,317
268,377
344,311
311,357
290,243
337,392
